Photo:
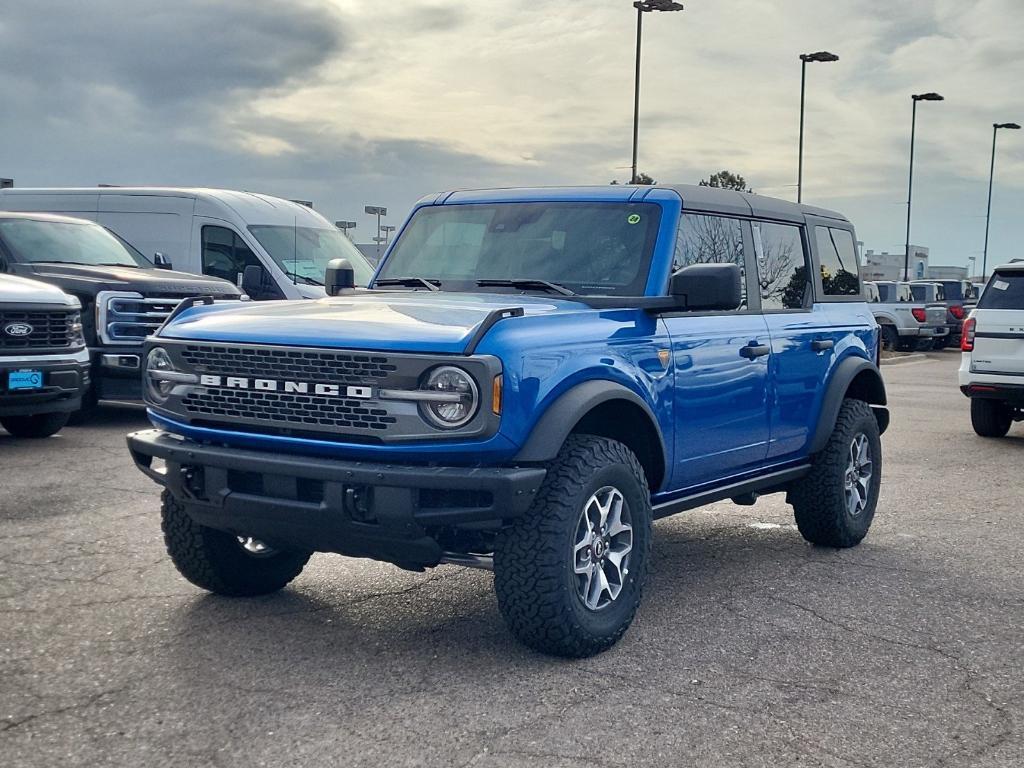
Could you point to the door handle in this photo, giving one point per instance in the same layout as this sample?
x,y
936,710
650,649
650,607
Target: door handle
x,y
752,351
820,345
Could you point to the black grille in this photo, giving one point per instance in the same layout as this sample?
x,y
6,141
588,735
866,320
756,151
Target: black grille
x,y
304,365
50,330
288,409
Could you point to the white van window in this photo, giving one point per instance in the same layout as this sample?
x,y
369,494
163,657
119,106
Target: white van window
x,y
225,255
303,252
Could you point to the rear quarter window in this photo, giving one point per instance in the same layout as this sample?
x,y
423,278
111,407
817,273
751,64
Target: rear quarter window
x,y
1004,291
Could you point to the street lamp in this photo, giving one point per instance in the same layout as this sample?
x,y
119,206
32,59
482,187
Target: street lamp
x,y
910,184
642,7
345,226
804,58
974,265
378,211
387,230
991,174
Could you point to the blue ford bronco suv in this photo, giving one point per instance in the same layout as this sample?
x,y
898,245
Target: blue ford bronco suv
x,y
532,378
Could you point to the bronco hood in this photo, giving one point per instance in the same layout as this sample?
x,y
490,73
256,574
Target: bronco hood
x,y
377,320
87,280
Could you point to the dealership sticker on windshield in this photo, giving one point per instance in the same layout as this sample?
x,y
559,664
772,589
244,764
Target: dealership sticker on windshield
x,y
634,218
1000,285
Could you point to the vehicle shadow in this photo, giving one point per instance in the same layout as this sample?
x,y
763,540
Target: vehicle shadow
x,y
433,626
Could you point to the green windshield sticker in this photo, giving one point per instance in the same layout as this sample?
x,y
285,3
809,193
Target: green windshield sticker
x,y
634,218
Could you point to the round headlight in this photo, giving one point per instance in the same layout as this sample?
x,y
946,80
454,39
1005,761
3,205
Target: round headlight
x,y
157,388
460,403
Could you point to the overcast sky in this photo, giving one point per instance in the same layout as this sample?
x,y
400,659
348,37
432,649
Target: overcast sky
x,y
349,102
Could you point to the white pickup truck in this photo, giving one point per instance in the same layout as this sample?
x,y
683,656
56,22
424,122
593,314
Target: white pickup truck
x,y
906,325
44,364
992,364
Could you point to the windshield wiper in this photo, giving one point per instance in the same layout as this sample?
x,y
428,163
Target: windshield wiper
x,y
308,280
116,264
527,282
429,284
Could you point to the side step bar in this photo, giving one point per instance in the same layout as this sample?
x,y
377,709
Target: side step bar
x,y
770,483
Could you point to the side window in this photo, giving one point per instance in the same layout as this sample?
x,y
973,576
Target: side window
x,y
837,254
706,239
781,266
225,254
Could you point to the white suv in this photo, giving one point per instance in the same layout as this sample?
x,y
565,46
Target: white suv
x,y
992,368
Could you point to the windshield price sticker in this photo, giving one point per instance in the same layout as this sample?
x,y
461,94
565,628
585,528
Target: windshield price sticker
x,y
1000,285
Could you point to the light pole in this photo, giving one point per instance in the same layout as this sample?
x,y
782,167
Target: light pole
x,y
991,175
387,230
378,211
642,7
804,58
345,226
973,266
910,184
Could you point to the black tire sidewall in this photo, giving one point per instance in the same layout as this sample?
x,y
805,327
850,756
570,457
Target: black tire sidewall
x,y
36,426
858,525
606,620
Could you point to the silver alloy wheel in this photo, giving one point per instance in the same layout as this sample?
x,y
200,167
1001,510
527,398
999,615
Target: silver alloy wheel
x,y
254,546
604,540
857,479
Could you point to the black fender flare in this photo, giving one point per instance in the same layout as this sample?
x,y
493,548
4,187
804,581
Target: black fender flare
x,y
558,421
873,392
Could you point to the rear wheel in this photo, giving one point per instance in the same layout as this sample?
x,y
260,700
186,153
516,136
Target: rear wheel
x,y
237,566
835,503
570,574
991,418
890,339
40,425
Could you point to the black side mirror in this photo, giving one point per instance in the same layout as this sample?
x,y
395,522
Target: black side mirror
x,y
160,261
708,287
339,276
252,281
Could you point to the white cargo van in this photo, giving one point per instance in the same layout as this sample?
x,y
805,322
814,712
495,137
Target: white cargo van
x,y
216,232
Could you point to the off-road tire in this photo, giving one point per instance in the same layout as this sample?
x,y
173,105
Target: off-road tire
x,y
990,418
533,559
215,561
40,425
818,499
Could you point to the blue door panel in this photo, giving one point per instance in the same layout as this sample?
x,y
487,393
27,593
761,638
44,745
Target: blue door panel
x,y
720,396
798,373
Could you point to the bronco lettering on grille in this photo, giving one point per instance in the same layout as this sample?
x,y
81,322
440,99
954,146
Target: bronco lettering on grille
x,y
288,387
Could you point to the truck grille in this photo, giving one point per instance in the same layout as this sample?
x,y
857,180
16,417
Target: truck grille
x,y
50,330
307,365
128,318
301,411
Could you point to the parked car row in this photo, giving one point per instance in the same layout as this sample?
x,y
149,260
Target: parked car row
x,y
920,314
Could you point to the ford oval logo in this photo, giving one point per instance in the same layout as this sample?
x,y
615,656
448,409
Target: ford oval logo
x,y
18,329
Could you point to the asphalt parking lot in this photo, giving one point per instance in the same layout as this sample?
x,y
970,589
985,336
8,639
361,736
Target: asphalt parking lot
x,y
751,648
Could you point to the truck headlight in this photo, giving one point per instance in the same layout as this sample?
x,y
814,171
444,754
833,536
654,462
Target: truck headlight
x,y
158,385
75,326
462,400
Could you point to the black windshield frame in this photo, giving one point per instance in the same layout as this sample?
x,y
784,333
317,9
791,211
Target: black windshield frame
x,y
588,247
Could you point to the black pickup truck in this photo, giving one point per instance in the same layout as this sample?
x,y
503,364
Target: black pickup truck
x,y
124,295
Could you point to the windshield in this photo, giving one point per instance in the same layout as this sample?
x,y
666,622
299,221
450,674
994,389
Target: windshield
x,y
32,240
920,292
303,252
587,248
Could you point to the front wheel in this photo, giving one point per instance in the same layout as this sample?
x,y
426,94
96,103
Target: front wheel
x,y
40,425
222,563
990,418
835,502
570,574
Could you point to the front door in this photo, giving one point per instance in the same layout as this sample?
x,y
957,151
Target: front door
x,y
720,366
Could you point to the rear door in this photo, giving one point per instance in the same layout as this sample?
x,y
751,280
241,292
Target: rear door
x,y
802,343
999,333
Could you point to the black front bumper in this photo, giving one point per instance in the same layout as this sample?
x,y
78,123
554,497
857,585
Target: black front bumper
x,y
390,512
117,372
63,384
